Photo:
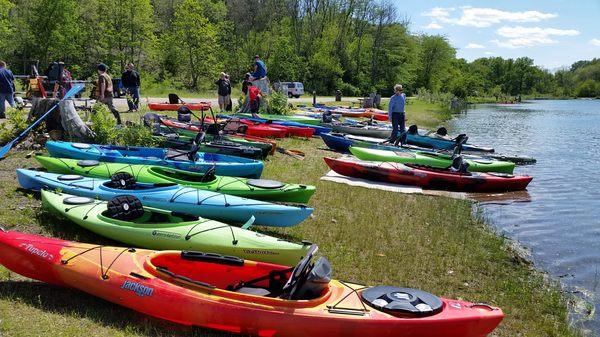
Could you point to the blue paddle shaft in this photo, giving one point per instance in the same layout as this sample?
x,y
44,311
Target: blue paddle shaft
x,y
72,92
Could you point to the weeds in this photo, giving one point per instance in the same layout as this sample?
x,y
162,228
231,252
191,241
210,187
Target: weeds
x,y
107,132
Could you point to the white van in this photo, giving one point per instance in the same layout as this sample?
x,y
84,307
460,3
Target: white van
x,y
292,89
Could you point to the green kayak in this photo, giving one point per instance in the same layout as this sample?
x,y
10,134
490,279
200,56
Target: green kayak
x,y
260,189
154,228
430,159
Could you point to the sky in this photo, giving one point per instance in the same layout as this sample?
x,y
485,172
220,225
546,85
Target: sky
x,y
554,33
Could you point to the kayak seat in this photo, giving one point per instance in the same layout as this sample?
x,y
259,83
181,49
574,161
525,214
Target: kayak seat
x,y
459,165
413,130
124,207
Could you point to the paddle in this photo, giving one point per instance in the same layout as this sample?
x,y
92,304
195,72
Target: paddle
x,y
72,92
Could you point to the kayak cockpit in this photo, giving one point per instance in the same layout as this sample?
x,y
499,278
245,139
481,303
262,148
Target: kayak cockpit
x,y
234,277
180,175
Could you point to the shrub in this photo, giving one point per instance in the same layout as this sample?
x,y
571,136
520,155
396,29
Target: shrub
x,y
107,132
277,103
15,123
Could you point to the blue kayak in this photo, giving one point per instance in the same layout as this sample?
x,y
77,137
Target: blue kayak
x,y
172,197
223,164
318,129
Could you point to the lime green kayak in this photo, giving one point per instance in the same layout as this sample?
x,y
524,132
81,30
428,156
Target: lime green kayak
x,y
154,228
430,159
260,189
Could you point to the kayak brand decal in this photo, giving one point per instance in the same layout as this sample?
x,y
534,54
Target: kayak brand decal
x,y
167,235
259,252
36,251
138,289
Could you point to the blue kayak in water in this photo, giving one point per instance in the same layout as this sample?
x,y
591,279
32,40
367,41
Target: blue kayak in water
x,y
172,197
318,129
179,159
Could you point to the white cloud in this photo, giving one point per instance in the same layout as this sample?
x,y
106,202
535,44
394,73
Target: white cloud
x,y
483,17
489,53
517,37
474,46
438,12
433,25
595,42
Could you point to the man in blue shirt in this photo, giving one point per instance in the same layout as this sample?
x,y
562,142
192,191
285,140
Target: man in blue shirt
x,y
396,114
260,69
7,88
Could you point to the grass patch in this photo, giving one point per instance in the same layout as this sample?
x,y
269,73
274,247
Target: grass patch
x,y
370,236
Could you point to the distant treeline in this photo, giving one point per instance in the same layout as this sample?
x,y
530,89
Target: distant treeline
x,y
357,46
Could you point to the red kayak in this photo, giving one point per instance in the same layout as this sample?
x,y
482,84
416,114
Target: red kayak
x,y
294,131
241,296
442,179
377,114
201,106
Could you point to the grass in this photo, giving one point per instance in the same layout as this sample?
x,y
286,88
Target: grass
x,y
369,236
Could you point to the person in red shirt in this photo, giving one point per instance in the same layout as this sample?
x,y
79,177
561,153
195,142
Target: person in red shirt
x,y
254,99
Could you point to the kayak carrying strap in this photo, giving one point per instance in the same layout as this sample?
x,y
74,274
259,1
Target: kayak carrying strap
x,y
103,272
189,234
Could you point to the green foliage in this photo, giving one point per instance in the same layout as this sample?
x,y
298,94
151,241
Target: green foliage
x,y
437,55
105,127
277,103
588,88
16,123
182,45
5,25
192,44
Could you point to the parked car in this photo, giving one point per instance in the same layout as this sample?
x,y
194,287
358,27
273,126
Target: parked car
x,y
292,89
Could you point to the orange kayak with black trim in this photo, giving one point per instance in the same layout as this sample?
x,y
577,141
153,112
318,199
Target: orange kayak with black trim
x,y
200,289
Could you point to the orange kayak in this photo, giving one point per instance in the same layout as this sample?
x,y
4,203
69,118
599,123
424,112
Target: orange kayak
x,y
241,296
201,106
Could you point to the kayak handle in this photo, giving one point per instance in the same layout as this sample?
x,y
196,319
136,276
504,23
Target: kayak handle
x,y
211,257
2,229
485,305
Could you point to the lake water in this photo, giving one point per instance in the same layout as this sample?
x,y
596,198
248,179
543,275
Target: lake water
x,y
560,223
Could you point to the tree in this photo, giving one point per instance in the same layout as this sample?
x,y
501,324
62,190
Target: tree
x,y
436,54
126,30
194,40
5,26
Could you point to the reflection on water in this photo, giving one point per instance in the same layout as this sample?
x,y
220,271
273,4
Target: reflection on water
x,y
561,222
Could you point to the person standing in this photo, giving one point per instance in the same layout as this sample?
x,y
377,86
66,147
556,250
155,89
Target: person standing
x,y
105,91
224,91
245,83
396,114
7,88
131,82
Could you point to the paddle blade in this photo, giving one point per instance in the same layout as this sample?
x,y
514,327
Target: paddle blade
x,y
6,148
